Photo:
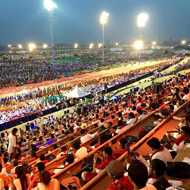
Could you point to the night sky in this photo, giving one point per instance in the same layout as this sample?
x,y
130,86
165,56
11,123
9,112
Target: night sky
x,y
24,21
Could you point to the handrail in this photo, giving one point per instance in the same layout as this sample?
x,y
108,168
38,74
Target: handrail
x,y
102,174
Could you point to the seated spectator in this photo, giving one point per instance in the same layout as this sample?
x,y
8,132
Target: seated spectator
x,y
33,156
86,137
105,158
62,151
178,143
80,151
141,115
46,183
103,138
157,169
187,94
43,159
115,170
131,119
3,173
69,160
159,152
138,176
122,147
121,127
40,166
23,180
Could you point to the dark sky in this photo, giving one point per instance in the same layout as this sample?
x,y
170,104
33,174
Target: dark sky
x,y
24,21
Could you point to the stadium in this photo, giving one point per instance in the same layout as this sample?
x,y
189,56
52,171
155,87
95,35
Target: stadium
x,y
98,114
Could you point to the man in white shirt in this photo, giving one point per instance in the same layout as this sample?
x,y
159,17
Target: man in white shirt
x,y
159,152
86,137
12,143
81,152
141,114
187,94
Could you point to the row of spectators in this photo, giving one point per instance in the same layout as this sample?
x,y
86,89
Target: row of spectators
x,y
128,112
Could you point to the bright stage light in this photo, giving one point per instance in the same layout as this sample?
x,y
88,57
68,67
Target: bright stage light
x,y
19,46
104,18
183,42
49,5
138,45
142,19
32,46
76,45
45,46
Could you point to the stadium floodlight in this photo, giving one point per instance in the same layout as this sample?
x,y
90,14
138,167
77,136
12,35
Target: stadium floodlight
x,y
9,45
91,45
45,46
116,44
139,44
141,22
31,46
142,19
154,43
19,46
76,46
51,6
103,20
100,45
183,42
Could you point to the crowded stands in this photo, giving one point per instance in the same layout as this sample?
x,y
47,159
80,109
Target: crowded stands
x,y
125,143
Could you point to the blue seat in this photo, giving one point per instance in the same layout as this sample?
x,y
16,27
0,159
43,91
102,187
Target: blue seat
x,y
131,138
149,128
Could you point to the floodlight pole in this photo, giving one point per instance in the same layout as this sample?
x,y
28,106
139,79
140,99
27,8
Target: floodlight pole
x,y
52,41
140,48
103,43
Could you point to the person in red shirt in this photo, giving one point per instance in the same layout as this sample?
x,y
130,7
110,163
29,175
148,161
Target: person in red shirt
x,y
115,170
43,159
33,156
105,158
40,166
123,147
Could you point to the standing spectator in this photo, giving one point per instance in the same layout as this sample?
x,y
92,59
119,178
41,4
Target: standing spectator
x,y
12,143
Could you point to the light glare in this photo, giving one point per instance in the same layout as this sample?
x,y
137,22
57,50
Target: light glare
x,y
76,45
32,46
49,5
45,46
19,46
99,45
104,17
154,43
139,44
183,42
142,19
